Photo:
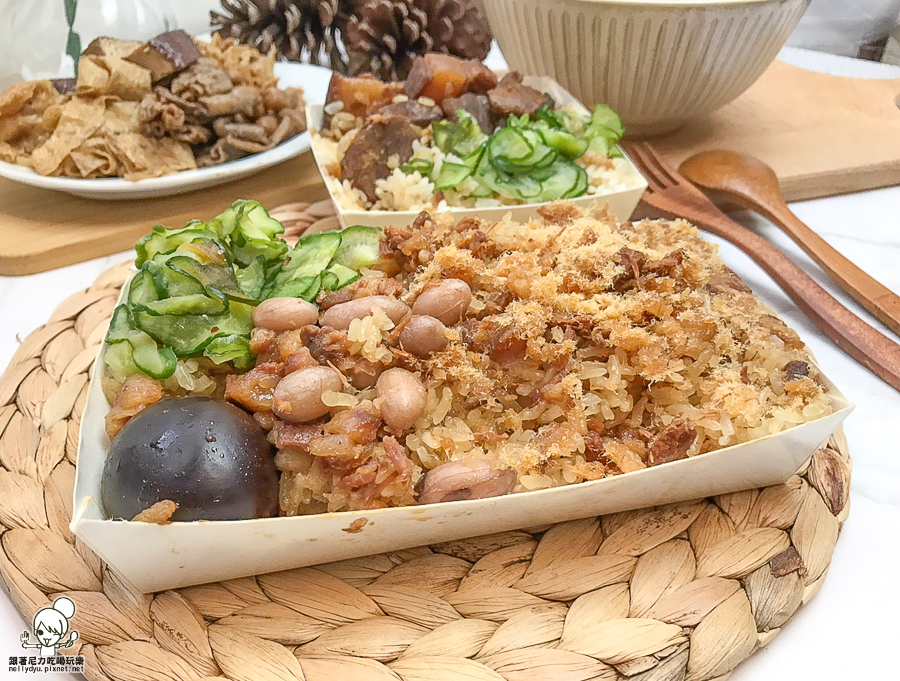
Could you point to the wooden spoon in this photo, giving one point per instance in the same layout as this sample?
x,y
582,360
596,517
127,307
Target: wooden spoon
x,y
752,184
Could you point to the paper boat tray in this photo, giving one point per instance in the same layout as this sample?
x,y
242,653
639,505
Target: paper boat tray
x,y
157,557
621,202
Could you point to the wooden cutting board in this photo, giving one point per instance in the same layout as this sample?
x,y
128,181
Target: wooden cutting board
x,y
822,134
41,230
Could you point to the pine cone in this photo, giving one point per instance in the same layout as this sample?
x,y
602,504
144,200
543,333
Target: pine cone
x,y
383,37
295,28
458,27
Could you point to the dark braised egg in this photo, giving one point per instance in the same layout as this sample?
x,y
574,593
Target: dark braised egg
x,y
207,456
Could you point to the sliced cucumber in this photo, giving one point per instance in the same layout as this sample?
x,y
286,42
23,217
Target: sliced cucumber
x,y
147,356
162,240
512,186
360,247
417,165
460,137
252,279
581,184
312,254
231,348
213,277
561,181
564,142
301,287
250,219
510,145
451,175
337,276
188,335
142,289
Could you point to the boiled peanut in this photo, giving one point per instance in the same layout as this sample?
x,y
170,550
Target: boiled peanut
x,y
459,480
423,335
340,316
402,396
284,314
298,396
447,300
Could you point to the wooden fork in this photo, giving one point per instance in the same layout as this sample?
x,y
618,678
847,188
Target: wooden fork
x,y
671,194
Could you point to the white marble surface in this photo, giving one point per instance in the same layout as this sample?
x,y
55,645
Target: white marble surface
x,y
849,630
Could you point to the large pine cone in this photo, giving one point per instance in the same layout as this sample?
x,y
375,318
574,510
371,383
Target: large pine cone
x,y
295,28
458,27
383,37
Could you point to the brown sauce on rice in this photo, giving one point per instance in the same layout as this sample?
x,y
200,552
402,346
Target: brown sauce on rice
x,y
589,349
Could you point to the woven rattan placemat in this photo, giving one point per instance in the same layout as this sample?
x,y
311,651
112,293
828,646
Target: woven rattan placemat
x,y
682,593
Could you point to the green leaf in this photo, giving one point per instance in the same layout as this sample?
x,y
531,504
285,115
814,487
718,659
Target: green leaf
x,y
71,6
73,48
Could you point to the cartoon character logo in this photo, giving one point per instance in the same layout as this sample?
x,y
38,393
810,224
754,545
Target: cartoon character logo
x,y
50,625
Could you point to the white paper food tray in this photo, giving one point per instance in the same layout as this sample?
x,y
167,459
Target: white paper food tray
x,y
157,557
621,203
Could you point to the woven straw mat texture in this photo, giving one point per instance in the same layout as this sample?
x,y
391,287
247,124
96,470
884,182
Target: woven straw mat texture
x,y
681,593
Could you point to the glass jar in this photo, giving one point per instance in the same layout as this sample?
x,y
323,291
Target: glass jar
x,y
35,37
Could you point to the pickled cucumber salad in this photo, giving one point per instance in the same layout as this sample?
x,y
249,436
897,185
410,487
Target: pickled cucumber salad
x,y
456,135
531,159
550,155
196,288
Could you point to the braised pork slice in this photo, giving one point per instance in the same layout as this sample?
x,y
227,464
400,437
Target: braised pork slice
x,y
440,76
477,105
672,443
413,111
136,394
367,158
362,288
513,97
254,388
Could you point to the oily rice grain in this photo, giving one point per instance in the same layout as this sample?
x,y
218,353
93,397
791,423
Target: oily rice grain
x,y
612,362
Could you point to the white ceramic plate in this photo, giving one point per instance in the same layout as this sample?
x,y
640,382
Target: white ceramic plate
x,y
314,81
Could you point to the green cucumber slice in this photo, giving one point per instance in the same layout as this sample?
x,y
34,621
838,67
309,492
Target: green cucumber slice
x,y
565,143
512,186
581,184
360,247
162,240
337,276
451,175
142,289
561,181
252,278
313,253
231,348
460,137
147,356
250,220
509,144
215,277
417,165
188,335
302,287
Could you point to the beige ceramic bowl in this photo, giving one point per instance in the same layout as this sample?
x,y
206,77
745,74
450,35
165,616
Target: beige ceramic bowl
x,y
658,63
